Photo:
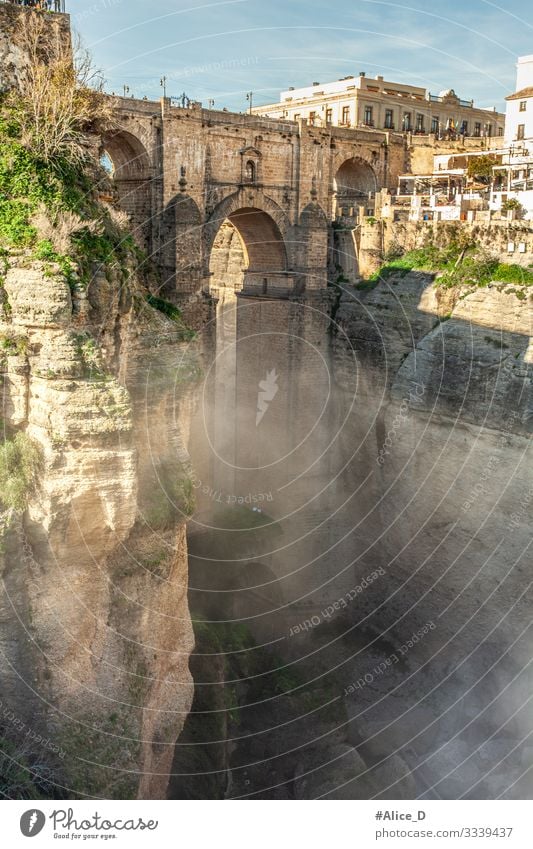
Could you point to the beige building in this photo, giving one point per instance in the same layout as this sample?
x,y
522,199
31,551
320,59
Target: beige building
x,y
373,102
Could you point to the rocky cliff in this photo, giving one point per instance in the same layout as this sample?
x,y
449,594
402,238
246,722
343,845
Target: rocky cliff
x,y
440,434
94,622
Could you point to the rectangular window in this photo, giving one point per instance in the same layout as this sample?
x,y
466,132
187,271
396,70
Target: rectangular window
x,y
389,119
477,129
521,132
500,131
488,130
345,114
435,124
369,116
329,116
419,123
406,124
523,105
312,118
464,128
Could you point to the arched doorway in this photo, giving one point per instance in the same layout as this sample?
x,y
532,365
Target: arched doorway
x,y
127,162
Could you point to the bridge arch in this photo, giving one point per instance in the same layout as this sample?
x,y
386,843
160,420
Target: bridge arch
x,y
246,244
354,180
131,173
128,155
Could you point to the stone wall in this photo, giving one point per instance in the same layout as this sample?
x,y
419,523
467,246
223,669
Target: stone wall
x,y
421,150
494,237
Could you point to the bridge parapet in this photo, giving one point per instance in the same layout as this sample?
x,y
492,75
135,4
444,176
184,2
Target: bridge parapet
x,y
217,116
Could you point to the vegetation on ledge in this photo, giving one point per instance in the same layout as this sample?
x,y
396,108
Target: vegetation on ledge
x,y
20,464
49,174
457,264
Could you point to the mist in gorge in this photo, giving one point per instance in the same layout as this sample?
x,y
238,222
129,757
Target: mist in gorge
x,y
266,415
350,641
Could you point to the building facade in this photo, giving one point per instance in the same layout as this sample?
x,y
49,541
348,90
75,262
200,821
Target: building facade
x,y
375,103
519,113
513,178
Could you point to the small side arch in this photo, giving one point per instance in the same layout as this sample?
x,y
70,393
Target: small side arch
x,y
180,246
131,173
354,181
128,155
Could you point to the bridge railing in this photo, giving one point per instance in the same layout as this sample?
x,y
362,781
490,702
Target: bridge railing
x,y
43,5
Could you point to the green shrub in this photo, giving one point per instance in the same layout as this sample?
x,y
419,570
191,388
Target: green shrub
x,y
20,465
170,498
459,264
12,343
165,307
22,774
513,204
32,190
480,167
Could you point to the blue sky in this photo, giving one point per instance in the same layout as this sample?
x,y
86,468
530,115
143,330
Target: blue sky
x,y
221,50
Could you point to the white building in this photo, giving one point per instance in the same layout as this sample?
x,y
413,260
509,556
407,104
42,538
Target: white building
x,y
514,177
519,113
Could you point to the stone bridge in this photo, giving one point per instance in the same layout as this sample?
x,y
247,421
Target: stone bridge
x,y
217,197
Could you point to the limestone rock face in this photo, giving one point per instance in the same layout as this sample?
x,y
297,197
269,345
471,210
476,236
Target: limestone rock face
x,y
95,617
38,299
442,426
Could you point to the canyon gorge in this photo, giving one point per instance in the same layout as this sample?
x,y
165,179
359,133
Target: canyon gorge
x,y
266,528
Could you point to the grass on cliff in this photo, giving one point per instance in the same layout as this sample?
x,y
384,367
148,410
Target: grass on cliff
x,y
457,265
169,497
23,775
20,464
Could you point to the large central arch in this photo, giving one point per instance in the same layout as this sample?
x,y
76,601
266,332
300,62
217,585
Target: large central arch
x,y
246,248
261,238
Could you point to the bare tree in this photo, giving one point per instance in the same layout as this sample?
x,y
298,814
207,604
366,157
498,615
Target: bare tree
x,y
60,96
